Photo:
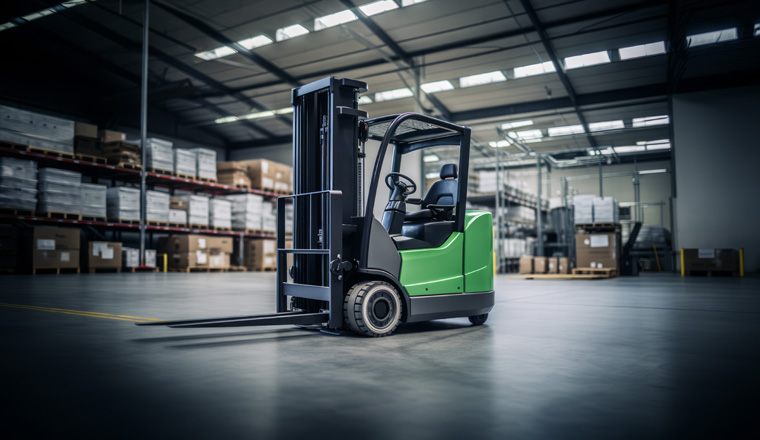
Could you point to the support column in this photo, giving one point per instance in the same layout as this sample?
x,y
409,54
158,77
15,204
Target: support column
x,y
144,126
539,220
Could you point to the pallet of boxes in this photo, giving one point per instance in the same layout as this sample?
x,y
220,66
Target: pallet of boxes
x,y
197,253
262,174
597,236
117,151
545,267
35,132
54,250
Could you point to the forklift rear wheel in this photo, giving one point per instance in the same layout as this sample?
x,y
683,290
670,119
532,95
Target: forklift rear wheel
x,y
479,319
372,308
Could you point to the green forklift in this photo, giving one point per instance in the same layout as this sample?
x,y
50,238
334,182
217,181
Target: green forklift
x,y
352,271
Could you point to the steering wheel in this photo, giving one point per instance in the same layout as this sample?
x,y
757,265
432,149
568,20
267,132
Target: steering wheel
x,y
408,188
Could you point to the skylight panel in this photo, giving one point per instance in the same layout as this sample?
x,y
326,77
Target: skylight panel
x,y
657,171
254,42
659,144
526,134
712,37
378,7
585,60
336,19
289,32
438,86
255,115
535,69
629,149
393,94
481,79
566,130
213,54
500,144
642,50
516,124
651,121
8,25
606,125
405,3
226,119
365,100
38,14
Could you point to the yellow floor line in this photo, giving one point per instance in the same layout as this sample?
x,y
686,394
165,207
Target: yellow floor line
x,y
80,313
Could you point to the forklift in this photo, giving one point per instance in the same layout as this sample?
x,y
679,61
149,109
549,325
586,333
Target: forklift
x,y
350,270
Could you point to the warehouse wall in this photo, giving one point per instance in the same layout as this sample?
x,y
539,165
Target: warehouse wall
x,y
280,153
716,162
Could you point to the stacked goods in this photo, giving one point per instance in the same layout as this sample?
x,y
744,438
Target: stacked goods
x,y
606,210
564,265
262,173
188,251
8,247
86,140
246,211
184,162
283,178
540,265
205,163
150,258
156,206
711,261
104,254
268,217
260,253
130,257
119,152
55,248
197,209
123,203
515,247
36,130
93,200
110,136
233,173
517,213
597,250
526,265
159,154
178,211
59,191
289,258
584,208
220,213
18,184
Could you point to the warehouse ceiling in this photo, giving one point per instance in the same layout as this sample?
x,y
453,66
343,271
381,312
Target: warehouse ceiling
x,y
588,78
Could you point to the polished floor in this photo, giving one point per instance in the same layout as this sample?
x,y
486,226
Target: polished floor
x,y
656,356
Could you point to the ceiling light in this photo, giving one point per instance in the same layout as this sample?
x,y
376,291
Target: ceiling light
x,y
712,37
289,32
650,121
629,149
500,144
661,170
438,86
255,115
405,3
226,119
481,79
757,29
378,7
41,13
334,20
535,69
605,125
588,59
526,134
393,94
213,54
8,25
516,124
642,50
254,42
431,158
365,100
566,130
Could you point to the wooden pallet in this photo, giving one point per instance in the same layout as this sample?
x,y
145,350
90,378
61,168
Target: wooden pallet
x,y
557,276
711,273
55,270
184,176
154,223
263,269
125,222
197,269
61,215
194,226
13,145
93,159
160,171
16,211
93,219
104,270
177,225
237,269
250,231
598,227
205,179
219,228
53,153
607,272
141,269
129,165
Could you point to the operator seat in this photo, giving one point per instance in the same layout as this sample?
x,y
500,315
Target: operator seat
x,y
442,192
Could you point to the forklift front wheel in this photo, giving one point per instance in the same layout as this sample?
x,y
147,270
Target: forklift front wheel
x,y
372,308
479,319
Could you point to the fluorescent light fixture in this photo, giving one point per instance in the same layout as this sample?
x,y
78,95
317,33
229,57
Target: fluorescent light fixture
x,y
289,32
431,158
712,37
8,25
625,149
254,42
378,7
659,144
365,100
405,3
535,69
526,134
516,124
642,50
650,121
605,125
658,171
500,144
255,115
335,19
226,119
39,14
588,59
438,86
393,94
566,130
481,79
213,54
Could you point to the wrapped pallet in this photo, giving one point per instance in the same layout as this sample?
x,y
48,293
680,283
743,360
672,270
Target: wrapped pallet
x,y
123,203
59,191
268,217
156,206
246,211
36,130
197,209
18,184
606,210
584,208
205,160
220,213
184,163
159,154
94,200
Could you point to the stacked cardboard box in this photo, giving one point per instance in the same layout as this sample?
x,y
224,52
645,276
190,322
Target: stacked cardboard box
x,y
93,200
262,173
597,250
56,248
205,163
104,254
59,191
526,265
8,247
157,206
123,203
220,213
549,265
197,209
191,250
158,153
184,162
260,253
18,184
36,130
233,173
711,260
86,140
246,211
177,211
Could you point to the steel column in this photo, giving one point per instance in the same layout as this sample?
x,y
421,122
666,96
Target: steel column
x,y
144,126
539,220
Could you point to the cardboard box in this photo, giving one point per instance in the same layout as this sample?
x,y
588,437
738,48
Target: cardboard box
x,y
177,203
552,265
111,136
232,166
60,259
262,173
540,264
234,177
51,238
221,244
196,258
597,250
221,260
88,146
711,260
177,244
283,177
564,265
260,253
86,130
526,265
104,254
289,245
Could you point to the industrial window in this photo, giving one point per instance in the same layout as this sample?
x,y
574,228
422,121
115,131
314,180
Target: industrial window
x,y
437,86
650,121
289,32
393,94
712,37
378,7
585,60
535,69
606,125
481,79
642,50
335,19
566,130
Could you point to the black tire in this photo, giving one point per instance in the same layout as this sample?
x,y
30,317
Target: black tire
x,y
478,319
372,308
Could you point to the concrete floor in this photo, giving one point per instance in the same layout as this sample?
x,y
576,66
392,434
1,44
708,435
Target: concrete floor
x,y
651,357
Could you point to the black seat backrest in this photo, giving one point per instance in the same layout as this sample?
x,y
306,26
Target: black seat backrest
x,y
444,191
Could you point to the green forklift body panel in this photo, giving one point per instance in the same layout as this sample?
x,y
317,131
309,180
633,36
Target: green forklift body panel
x,y
463,263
